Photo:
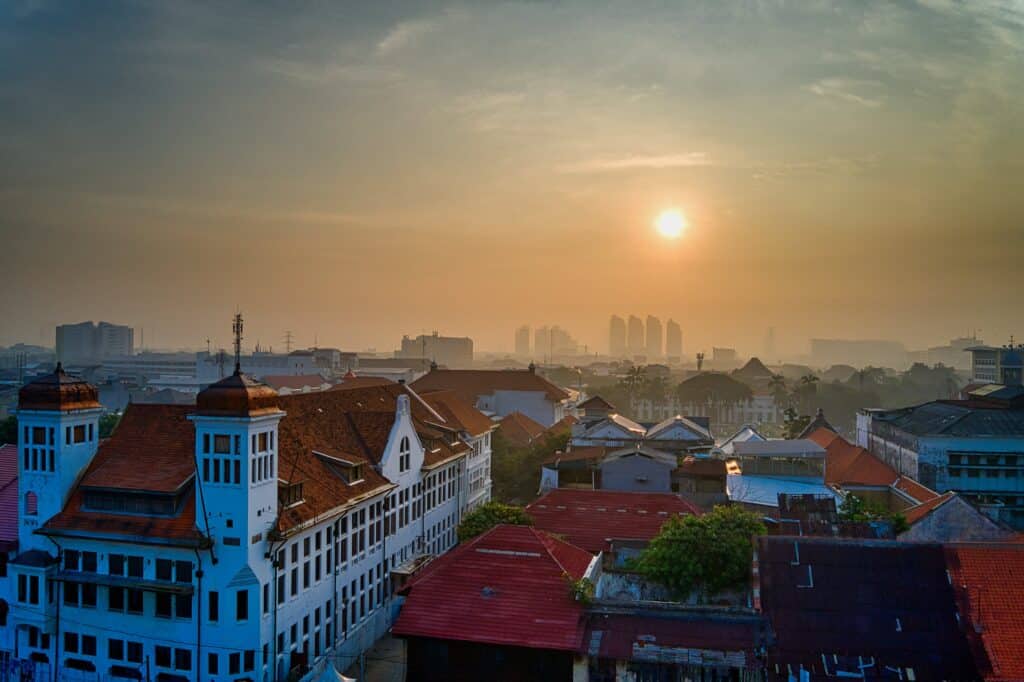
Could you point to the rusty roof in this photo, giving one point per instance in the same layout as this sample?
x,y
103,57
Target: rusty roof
x,y
58,391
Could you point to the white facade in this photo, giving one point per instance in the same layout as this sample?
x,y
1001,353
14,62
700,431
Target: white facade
x,y
759,409
242,601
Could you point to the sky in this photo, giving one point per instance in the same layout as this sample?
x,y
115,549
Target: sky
x,y
353,172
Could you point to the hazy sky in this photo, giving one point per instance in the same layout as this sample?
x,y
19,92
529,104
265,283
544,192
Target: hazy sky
x,y
358,171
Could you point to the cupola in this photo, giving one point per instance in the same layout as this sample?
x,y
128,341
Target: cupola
x,y
237,395
58,392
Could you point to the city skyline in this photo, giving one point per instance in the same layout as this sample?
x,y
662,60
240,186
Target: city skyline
x,y
876,180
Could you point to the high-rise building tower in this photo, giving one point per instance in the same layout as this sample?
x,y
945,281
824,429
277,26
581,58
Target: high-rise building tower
x,y
617,337
635,336
654,350
542,343
523,341
673,341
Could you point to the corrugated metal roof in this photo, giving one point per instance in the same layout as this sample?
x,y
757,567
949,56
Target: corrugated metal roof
x,y
947,418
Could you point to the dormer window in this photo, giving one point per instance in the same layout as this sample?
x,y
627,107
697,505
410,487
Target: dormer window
x,y
404,455
290,494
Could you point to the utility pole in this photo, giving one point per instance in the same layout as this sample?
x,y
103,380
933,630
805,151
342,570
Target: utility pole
x,y
288,342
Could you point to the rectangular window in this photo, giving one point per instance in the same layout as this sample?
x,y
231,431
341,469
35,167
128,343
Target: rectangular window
x,y
242,605
222,445
183,606
71,642
211,664
115,649
163,605
163,569
135,652
89,562
88,645
213,603
78,434
183,571
266,598
182,659
250,660
234,664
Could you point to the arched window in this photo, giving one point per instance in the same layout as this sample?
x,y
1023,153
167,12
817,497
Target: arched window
x,y
404,456
31,504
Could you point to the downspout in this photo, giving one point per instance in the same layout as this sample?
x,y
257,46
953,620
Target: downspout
x,y
199,612
59,597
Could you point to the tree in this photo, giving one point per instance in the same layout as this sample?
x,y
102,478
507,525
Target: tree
x,y
713,389
516,471
656,389
707,554
793,423
9,430
108,423
856,509
634,381
780,394
489,515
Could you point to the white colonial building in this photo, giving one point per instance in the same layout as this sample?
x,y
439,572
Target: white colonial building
x,y
243,538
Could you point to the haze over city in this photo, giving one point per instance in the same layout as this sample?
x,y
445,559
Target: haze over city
x,y
354,173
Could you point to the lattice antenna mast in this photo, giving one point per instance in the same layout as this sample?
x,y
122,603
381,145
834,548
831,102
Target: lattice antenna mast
x,y
236,328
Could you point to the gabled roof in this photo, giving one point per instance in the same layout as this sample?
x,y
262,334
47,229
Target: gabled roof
x,y
836,604
506,587
989,583
819,422
955,418
596,402
8,496
457,413
918,512
562,426
519,429
661,427
591,453
589,518
470,384
743,434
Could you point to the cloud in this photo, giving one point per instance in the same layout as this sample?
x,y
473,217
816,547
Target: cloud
x,y
402,35
840,88
638,162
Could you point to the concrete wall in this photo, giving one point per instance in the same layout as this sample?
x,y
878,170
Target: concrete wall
x,y
636,473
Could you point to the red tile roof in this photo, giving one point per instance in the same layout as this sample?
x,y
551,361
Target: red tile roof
x,y
918,512
360,382
472,383
580,454
588,518
506,587
519,429
562,426
988,581
596,402
8,496
152,450
458,413
847,464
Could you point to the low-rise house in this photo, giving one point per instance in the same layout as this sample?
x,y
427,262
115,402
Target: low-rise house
x,y
747,432
501,392
772,467
871,609
702,480
591,519
498,607
951,518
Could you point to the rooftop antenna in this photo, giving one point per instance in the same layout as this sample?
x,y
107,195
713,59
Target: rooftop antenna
x,y
288,342
236,329
207,345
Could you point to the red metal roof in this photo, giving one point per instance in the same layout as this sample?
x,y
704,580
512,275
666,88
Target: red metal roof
x,y
625,636
588,518
507,587
989,584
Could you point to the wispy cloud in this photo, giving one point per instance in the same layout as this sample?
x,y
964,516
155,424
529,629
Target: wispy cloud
x,y
402,35
637,162
842,88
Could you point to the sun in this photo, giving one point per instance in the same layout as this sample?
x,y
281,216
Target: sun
x,y
670,223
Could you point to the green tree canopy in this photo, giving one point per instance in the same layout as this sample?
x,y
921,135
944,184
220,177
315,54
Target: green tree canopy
x,y
489,515
713,387
707,554
9,430
855,508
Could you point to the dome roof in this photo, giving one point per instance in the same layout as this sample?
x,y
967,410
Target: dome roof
x,y
237,396
58,391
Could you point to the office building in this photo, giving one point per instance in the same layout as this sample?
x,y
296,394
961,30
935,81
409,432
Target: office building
x,y
449,351
523,341
635,336
87,343
617,337
654,339
673,341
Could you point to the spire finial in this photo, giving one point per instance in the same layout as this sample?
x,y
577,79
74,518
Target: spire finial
x,y
236,328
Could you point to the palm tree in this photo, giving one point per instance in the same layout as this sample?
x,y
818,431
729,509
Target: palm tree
x,y
777,384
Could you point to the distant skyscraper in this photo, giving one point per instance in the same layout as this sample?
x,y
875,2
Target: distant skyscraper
x,y
654,350
617,337
542,343
673,341
86,343
635,336
523,341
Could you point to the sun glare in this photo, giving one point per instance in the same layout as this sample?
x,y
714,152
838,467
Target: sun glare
x,y
670,224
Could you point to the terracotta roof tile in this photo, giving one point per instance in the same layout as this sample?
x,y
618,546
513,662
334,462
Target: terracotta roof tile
x,y
472,383
458,412
505,587
588,518
918,512
519,429
294,381
989,585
